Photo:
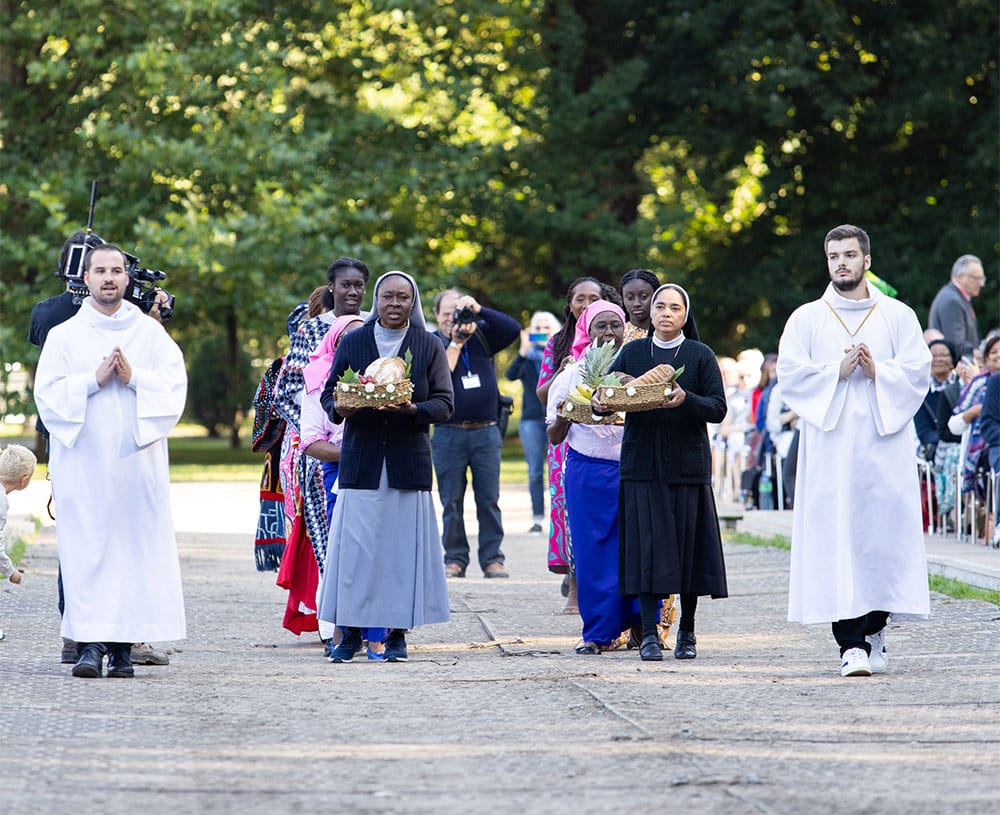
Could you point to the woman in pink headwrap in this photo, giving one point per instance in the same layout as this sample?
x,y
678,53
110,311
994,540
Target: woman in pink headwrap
x,y
590,481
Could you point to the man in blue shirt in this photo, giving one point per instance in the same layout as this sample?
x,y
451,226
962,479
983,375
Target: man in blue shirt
x,y
471,439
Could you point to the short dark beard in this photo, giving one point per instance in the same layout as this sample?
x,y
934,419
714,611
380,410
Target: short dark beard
x,y
848,285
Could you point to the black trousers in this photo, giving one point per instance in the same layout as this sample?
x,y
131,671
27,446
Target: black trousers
x,y
852,633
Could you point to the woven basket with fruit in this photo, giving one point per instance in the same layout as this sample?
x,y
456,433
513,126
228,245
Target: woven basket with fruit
x,y
594,374
384,382
645,392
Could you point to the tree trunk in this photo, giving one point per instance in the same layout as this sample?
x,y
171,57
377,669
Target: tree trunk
x,y
232,377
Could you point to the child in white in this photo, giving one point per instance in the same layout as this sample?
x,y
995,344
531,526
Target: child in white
x,y
17,465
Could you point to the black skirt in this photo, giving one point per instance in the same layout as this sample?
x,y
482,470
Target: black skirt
x,y
668,540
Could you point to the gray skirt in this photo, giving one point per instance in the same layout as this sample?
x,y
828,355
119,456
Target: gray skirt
x,y
384,562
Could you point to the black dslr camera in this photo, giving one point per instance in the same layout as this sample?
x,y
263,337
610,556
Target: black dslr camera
x,y
142,282
463,316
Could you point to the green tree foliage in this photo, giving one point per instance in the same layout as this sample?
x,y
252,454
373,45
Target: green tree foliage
x,y
218,394
506,146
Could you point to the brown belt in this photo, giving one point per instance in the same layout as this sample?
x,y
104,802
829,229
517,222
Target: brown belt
x,y
471,425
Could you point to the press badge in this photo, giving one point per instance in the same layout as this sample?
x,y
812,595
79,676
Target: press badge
x,y
470,381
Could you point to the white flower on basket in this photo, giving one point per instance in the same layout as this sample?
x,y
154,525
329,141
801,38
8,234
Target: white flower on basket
x,y
390,388
666,391
370,388
609,393
345,387
630,391
569,407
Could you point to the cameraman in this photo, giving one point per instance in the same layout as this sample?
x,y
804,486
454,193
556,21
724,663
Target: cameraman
x,y
471,439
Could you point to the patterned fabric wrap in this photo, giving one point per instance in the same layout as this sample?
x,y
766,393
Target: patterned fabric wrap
x,y
560,558
267,425
269,542
288,401
314,505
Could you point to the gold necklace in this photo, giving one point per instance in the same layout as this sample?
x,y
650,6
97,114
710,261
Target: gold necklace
x,y
841,319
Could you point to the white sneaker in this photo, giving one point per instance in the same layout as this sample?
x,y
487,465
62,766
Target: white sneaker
x,y
854,662
878,660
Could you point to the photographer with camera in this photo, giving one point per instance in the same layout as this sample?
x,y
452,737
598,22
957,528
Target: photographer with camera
x,y
471,440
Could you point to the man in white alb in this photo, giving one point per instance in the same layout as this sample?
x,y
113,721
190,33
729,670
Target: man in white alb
x,y
110,386
854,366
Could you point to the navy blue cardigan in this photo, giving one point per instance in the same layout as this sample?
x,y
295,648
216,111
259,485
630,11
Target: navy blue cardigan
x,y
671,444
374,436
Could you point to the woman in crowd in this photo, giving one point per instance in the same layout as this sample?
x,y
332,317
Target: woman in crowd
x,y
383,561
967,412
581,293
637,287
668,526
526,367
590,480
345,291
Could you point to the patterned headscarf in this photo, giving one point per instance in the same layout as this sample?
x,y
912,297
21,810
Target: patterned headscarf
x,y
320,360
581,340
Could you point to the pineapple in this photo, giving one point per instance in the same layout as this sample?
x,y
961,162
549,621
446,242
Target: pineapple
x,y
596,362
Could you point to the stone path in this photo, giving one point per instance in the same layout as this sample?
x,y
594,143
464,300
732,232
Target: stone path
x,y
494,712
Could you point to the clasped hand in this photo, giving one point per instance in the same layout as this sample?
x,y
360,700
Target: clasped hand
x,y
115,364
855,356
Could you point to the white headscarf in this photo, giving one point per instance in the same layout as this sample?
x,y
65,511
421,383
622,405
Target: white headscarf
x,y
416,313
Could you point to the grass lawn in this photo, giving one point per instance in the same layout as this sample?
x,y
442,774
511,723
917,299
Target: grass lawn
x,y
942,585
195,457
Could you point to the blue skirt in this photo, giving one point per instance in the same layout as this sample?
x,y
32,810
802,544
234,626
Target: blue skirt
x,y
591,486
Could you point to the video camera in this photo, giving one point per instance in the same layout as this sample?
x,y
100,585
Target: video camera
x,y
142,287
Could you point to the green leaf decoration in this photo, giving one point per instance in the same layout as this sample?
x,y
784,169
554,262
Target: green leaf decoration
x,y
408,359
677,373
350,376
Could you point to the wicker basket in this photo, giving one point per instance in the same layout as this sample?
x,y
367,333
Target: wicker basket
x,y
628,398
355,395
579,414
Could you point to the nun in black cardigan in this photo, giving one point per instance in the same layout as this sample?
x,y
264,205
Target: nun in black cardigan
x,y
669,540
384,567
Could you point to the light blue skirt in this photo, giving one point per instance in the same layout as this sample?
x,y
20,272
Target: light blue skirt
x,y
384,562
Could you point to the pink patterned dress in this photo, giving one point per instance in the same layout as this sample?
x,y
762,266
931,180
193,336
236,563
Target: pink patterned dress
x,y
560,547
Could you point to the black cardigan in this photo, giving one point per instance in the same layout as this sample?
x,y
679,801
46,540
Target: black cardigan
x,y
671,444
372,436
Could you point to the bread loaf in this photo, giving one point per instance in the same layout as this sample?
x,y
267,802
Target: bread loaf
x,y
387,369
660,375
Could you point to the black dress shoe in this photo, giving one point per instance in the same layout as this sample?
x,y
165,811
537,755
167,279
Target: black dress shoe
x,y
89,663
120,660
650,651
684,649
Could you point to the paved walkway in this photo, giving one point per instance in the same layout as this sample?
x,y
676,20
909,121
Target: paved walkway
x,y
494,712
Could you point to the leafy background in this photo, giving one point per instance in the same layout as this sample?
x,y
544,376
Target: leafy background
x,y
503,147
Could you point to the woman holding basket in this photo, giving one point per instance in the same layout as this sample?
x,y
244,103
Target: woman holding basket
x,y
383,562
669,540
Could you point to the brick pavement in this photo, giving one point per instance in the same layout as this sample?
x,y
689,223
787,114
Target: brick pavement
x,y
247,718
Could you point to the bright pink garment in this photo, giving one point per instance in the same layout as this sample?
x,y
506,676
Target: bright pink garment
x,y
581,340
318,369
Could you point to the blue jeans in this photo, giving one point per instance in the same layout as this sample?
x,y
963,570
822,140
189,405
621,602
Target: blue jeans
x,y
455,451
535,444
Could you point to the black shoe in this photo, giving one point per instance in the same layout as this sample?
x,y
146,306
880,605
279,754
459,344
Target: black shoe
x,y
564,588
395,646
348,647
684,649
120,661
70,652
91,658
650,650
